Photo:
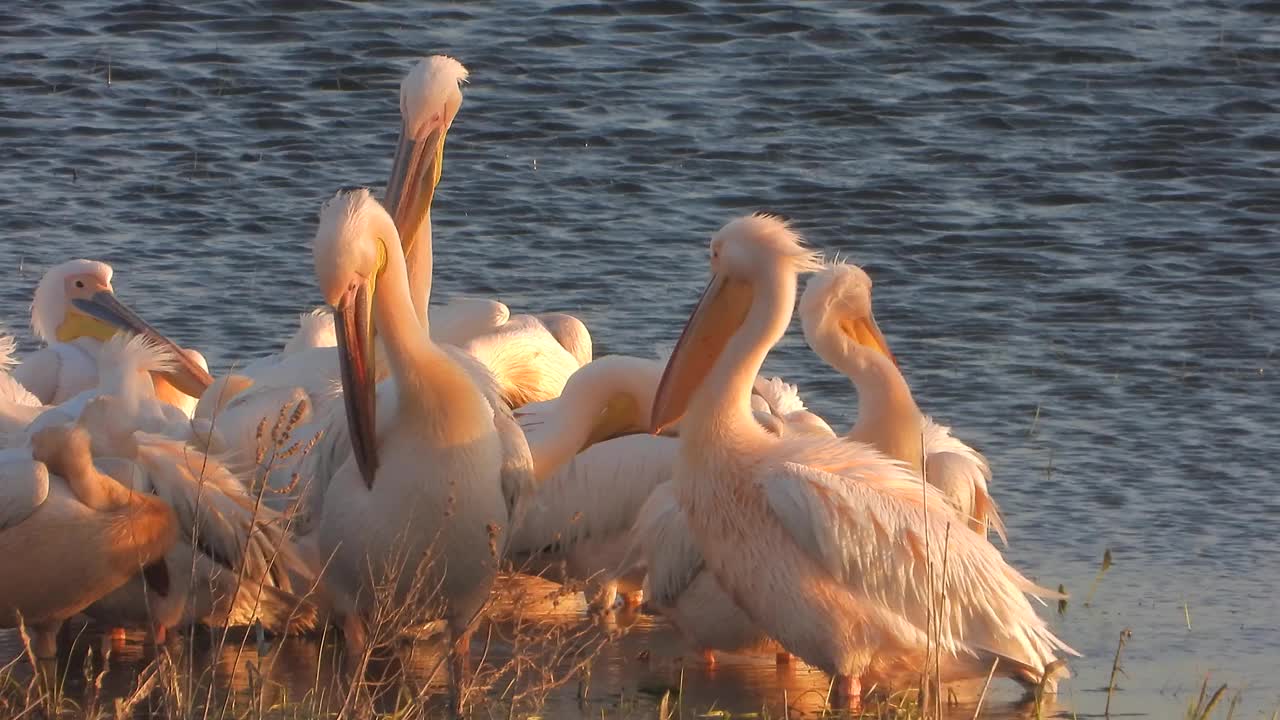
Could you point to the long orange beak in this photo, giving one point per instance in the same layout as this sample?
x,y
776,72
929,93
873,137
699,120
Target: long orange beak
x,y
189,378
415,173
864,331
354,328
720,312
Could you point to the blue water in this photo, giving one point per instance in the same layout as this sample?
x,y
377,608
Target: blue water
x,y
1069,210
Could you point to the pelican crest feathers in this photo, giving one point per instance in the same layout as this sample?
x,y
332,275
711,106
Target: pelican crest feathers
x,y
422,89
774,235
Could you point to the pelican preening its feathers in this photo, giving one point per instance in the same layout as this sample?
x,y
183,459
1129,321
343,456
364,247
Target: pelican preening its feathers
x,y
426,484
835,312
394,455
822,540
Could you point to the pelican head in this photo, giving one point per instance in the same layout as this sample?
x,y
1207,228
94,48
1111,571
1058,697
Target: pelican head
x,y
350,253
75,300
753,258
430,96
54,318
837,299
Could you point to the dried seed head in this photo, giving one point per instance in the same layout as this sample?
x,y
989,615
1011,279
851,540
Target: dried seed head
x,y
493,539
296,417
289,451
259,436
278,431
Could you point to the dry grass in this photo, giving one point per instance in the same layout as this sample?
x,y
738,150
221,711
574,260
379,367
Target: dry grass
x,y
523,652
227,673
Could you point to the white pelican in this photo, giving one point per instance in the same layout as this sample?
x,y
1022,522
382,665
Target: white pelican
x,y
591,483
605,515
233,561
305,374
74,311
531,356
835,312
826,544
420,504
69,534
302,386
594,477
430,96
127,367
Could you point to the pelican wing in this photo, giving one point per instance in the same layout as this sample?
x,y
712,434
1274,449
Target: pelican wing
x,y
518,480
571,333
52,416
782,397
332,449
525,359
18,408
313,369
962,474
888,538
216,514
11,391
597,494
465,318
517,462
208,516
24,486
39,373
315,330
662,543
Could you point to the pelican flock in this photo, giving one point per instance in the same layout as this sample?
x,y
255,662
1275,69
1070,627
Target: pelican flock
x,y
393,457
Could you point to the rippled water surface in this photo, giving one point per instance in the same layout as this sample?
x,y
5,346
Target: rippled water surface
x,y
1069,210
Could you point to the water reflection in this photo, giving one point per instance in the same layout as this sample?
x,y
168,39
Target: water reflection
x,y
539,651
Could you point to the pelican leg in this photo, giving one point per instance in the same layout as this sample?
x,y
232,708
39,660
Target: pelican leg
x,y
847,692
782,658
44,640
114,640
355,644
459,670
159,634
602,597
